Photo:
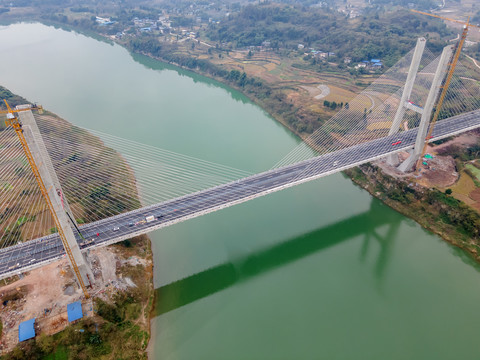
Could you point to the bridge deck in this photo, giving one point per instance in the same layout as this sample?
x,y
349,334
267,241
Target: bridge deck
x,y
39,252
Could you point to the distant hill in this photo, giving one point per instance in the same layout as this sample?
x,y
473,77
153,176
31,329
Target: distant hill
x,y
384,35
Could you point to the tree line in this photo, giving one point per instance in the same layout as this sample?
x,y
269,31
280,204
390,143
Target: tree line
x,y
376,34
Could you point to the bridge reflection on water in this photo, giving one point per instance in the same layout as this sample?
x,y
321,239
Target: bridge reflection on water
x,y
210,281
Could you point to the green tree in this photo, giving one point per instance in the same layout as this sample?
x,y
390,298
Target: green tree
x,y
242,80
45,343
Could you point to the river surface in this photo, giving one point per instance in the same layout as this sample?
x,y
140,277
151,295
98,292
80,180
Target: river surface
x,y
319,271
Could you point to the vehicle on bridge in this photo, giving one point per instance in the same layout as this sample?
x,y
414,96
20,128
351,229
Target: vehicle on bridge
x,y
397,142
13,267
149,218
87,242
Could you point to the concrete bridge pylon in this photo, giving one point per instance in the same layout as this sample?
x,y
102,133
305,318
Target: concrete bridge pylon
x,y
432,97
407,91
58,204
426,111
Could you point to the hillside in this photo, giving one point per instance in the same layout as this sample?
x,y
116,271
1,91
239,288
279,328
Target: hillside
x,y
376,34
116,322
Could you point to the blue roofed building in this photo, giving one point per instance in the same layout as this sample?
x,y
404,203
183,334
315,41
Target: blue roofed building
x,y
26,330
74,311
103,21
376,63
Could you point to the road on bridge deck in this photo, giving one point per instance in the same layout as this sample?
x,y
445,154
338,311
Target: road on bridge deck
x,y
35,253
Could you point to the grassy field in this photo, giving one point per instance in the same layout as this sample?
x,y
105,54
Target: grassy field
x,y
60,354
474,170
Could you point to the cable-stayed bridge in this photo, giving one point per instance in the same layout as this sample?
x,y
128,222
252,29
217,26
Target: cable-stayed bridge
x,y
360,133
46,249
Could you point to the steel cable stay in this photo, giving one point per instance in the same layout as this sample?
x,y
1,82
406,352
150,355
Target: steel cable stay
x,y
79,158
303,151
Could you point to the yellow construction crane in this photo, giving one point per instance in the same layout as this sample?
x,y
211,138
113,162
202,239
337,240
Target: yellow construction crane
x,y
445,18
451,66
12,112
12,120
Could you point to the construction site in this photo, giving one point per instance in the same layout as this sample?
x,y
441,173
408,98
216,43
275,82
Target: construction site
x,y
44,293
38,302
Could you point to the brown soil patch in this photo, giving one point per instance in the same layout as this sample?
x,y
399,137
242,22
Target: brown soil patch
x,y
464,140
46,287
270,66
440,173
475,197
44,293
340,94
312,90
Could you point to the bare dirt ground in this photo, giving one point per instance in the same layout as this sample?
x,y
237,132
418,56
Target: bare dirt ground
x,y
463,140
44,298
45,292
441,172
303,87
317,92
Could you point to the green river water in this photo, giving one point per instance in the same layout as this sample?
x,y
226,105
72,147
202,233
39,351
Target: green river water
x,y
319,271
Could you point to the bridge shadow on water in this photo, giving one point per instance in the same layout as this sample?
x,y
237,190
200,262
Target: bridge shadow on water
x,y
210,281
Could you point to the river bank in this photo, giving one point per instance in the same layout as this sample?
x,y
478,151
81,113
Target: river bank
x,y
286,267
449,217
116,319
269,99
437,211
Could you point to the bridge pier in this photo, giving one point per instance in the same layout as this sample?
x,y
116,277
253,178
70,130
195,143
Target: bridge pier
x,y
407,91
438,79
64,217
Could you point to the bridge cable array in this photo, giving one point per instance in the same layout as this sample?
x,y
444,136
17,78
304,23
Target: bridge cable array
x,y
100,183
96,178
370,114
